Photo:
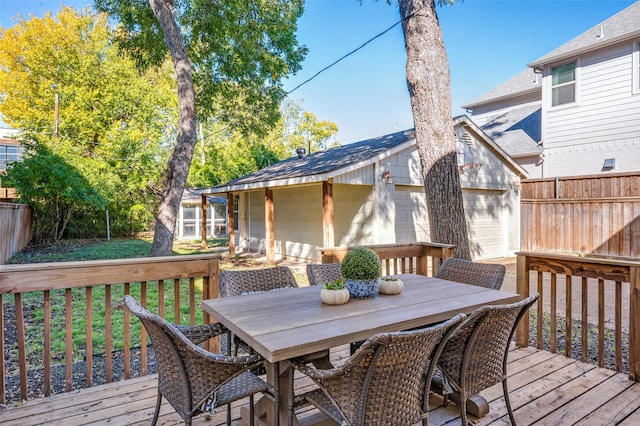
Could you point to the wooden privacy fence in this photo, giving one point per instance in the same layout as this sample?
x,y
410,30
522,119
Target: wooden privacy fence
x,y
586,214
15,229
601,297
59,315
421,258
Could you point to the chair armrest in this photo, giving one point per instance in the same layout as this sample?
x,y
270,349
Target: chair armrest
x,y
201,333
313,372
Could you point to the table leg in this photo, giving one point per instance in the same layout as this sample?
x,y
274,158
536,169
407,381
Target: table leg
x,y
276,414
476,404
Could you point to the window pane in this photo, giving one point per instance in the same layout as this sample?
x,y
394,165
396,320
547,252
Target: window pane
x,y
563,74
563,95
189,213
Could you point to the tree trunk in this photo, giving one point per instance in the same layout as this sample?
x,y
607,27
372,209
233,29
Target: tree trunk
x,y
429,86
180,160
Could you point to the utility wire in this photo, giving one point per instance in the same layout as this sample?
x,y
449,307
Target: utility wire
x,y
343,57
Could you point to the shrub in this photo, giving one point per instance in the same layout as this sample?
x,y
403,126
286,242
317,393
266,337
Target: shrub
x,y
361,263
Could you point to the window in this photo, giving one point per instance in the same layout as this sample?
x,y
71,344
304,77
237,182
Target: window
x,y
9,154
563,84
236,212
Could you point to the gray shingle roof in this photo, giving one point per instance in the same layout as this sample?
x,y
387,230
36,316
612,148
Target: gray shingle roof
x,y
524,82
322,162
621,26
518,131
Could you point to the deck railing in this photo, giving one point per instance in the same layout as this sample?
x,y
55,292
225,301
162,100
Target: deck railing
x,y
600,296
46,299
421,258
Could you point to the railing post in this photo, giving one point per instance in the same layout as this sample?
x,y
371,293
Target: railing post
x,y
634,326
422,266
522,288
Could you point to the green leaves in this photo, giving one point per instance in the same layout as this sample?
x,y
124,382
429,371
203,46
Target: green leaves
x,y
113,120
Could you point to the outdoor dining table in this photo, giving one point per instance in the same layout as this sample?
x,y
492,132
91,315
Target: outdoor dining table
x,y
285,324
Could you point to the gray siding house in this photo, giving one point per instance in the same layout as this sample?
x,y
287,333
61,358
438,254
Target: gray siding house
x,y
371,192
575,110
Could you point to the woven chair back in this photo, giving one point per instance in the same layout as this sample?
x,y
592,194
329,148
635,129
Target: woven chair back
x,y
235,283
475,357
463,271
321,273
385,382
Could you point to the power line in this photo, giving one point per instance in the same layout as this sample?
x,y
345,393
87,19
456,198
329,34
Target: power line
x,y
343,57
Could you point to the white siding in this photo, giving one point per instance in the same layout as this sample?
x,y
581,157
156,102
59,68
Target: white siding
x,y
297,222
485,223
606,109
491,171
412,217
353,214
362,176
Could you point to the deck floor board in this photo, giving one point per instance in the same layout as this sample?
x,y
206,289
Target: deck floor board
x,y
545,389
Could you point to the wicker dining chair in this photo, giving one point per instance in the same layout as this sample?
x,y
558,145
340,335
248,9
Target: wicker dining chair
x,y
463,271
475,357
193,380
247,281
386,382
321,273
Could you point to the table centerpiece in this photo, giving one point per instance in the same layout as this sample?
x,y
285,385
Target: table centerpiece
x,y
361,267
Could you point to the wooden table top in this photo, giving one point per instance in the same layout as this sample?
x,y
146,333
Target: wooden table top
x,y
289,323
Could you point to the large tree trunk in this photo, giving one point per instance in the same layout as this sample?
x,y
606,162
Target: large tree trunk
x,y
429,86
180,160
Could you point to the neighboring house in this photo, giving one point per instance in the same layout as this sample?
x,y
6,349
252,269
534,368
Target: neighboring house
x,y
371,192
189,222
580,102
10,151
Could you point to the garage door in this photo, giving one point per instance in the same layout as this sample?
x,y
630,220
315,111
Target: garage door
x,y
412,220
484,211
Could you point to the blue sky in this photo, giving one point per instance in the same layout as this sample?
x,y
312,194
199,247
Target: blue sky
x,y
487,42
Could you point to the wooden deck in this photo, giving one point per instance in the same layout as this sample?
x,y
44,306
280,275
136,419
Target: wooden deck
x,y
545,389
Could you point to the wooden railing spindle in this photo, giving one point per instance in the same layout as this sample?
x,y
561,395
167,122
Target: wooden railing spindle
x,y
618,325
568,314
585,319
553,316
600,323
143,331
22,351
176,301
68,315
108,343
3,386
89,336
46,307
540,311
127,337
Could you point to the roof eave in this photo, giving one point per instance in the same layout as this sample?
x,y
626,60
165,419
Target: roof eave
x,y
534,89
577,52
309,179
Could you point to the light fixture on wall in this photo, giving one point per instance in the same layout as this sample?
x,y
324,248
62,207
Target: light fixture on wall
x,y
386,175
609,164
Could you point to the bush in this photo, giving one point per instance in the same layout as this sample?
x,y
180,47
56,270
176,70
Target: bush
x,y
361,263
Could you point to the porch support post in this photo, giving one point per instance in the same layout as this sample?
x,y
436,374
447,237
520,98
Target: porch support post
x,y
203,220
269,225
328,236
231,225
